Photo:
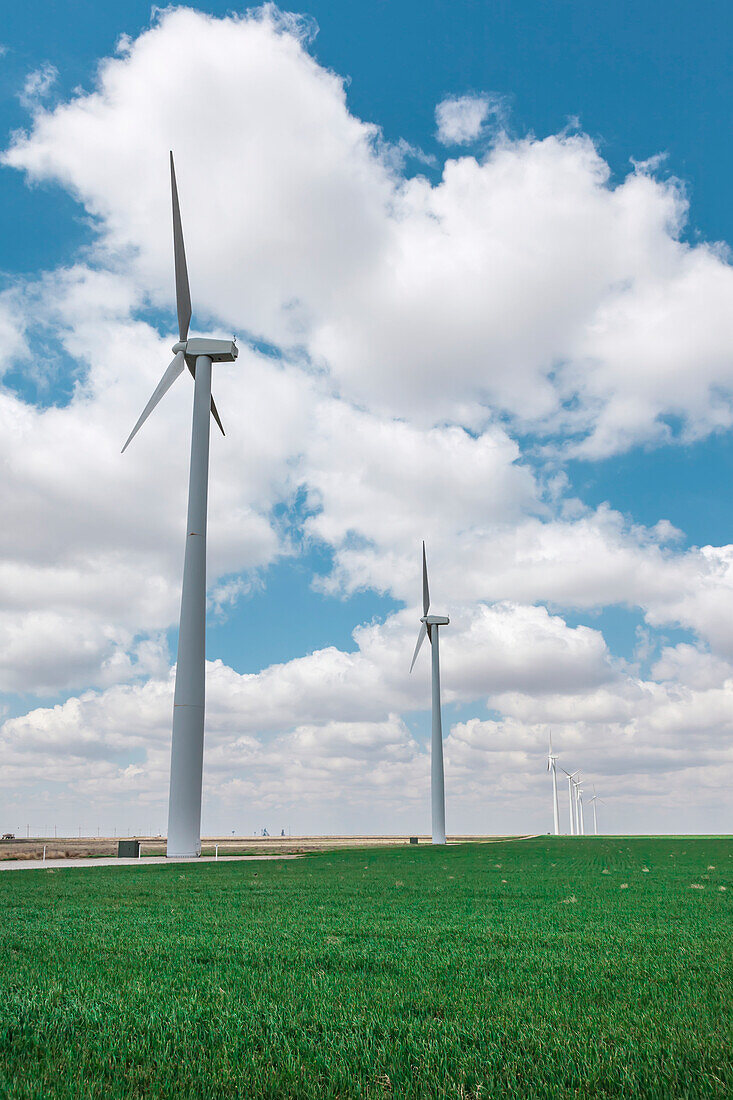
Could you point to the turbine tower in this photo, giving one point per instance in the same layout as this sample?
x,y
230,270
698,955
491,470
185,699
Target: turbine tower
x,y
579,809
187,747
552,767
430,624
571,778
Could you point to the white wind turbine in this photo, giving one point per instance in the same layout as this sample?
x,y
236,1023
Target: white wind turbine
x,y
579,811
430,624
187,747
571,800
552,767
592,802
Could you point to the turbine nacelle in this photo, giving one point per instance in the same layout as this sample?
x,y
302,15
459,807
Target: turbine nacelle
x,y
435,620
218,351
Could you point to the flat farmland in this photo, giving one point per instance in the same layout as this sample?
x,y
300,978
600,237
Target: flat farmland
x,y
536,968
105,847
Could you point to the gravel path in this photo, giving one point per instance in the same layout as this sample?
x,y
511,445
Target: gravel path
x,y
103,861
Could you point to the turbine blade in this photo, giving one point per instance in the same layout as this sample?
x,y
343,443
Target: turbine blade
x,y
215,414
183,294
169,377
420,640
425,589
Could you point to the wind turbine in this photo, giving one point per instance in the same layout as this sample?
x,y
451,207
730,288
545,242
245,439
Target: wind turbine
x,y
592,802
579,798
571,778
552,767
187,747
430,624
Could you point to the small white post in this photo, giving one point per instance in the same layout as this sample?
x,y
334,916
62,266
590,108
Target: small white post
x,y
44,853
139,851
217,851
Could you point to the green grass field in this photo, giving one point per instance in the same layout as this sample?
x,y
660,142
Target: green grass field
x,y
517,969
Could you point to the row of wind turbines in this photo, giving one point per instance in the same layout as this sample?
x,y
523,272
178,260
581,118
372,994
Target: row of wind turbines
x,y
187,745
575,798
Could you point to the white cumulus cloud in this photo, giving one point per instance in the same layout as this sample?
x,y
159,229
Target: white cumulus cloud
x,y
37,85
524,280
460,119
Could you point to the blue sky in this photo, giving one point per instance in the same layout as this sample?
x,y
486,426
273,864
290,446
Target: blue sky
x,y
636,83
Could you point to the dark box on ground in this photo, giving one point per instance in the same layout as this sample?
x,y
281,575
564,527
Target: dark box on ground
x,y
128,849
413,840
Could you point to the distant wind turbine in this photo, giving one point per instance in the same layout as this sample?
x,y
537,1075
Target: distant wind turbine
x,y
571,800
187,747
579,797
430,624
552,767
593,802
